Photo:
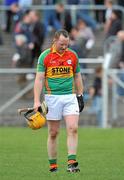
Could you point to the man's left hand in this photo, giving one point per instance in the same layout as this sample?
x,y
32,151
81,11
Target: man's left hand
x,y
80,102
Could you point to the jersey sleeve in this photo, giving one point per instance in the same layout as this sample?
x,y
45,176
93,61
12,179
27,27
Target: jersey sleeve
x,y
40,64
77,68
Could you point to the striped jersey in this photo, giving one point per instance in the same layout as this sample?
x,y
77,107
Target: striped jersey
x,y
59,71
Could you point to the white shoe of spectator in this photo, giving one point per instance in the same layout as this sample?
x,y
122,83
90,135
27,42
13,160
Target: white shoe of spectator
x,y
30,76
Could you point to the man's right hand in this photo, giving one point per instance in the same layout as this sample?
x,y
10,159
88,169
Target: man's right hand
x,y
36,105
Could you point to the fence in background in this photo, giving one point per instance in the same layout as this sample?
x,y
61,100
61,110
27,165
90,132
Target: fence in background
x,y
106,73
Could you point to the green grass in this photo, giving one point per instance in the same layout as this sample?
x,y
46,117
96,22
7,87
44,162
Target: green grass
x,y
23,155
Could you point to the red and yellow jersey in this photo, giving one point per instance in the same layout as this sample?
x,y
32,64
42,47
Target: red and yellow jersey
x,y
59,71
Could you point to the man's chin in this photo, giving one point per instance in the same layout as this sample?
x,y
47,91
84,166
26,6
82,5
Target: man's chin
x,y
61,51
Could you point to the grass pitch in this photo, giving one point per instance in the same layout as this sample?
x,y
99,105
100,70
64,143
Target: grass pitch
x,y
23,155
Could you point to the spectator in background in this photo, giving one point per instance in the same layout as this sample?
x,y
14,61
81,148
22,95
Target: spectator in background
x,y
95,92
86,32
120,35
87,35
108,13
63,16
100,14
38,34
58,19
1,38
120,90
22,57
120,2
9,14
115,24
85,15
82,40
109,7
77,43
73,11
17,13
24,27
47,14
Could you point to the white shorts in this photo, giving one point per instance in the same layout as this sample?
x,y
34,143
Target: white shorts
x,y
61,105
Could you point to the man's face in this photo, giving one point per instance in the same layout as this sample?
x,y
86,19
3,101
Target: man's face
x,y
61,44
33,16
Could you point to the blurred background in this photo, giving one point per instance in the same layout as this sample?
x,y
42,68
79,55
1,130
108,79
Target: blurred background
x,y
96,31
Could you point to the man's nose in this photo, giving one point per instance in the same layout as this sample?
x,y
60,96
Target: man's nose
x,y
64,47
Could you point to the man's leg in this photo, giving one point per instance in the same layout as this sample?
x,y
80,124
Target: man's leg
x,y
72,141
53,131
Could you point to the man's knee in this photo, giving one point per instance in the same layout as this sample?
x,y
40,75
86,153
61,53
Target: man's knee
x,y
53,134
72,130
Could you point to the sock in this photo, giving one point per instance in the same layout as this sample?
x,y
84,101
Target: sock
x,y
53,163
71,158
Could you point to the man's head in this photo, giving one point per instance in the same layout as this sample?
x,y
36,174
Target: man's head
x,y
120,35
20,40
116,14
15,7
60,7
109,3
34,15
26,18
61,41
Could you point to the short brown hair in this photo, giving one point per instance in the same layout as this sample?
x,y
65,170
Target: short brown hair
x,y
61,32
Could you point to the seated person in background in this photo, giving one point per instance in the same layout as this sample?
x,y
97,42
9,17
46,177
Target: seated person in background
x,y
82,40
86,32
77,43
22,57
25,27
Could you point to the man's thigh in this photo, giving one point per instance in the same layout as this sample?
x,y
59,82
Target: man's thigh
x,y
71,121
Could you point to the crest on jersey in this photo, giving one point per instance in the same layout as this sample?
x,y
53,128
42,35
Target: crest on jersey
x,y
69,61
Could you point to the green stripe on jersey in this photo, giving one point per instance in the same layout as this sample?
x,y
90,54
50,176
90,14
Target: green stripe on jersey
x,y
59,86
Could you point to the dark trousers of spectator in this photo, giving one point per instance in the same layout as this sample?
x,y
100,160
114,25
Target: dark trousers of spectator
x,y
121,2
35,54
8,20
100,14
1,39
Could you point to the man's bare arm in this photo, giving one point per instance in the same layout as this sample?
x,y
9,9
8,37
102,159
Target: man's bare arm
x,y
78,83
38,86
